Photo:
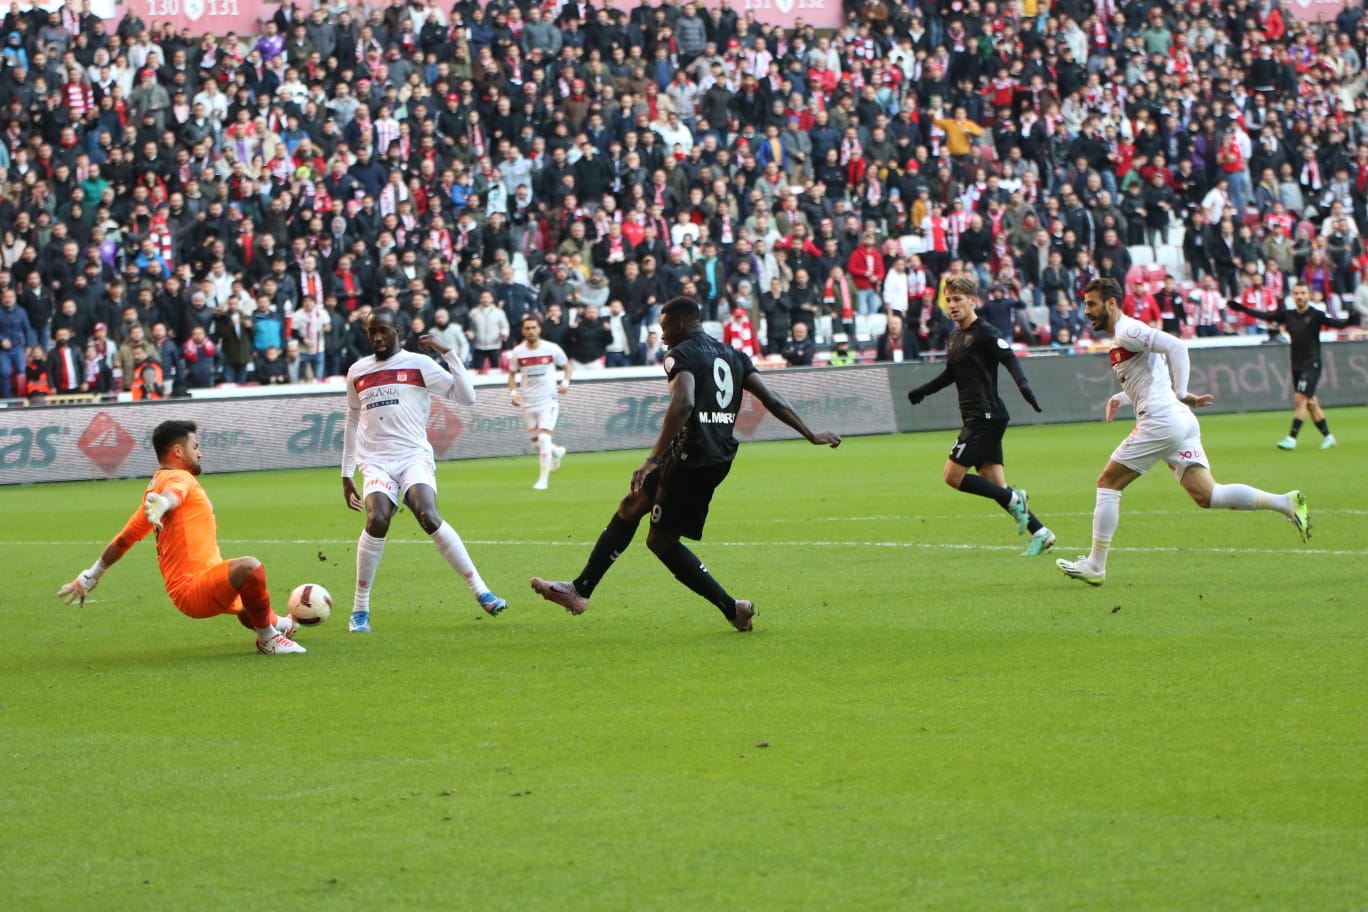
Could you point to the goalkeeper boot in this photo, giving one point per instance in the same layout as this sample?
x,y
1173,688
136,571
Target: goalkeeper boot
x,y
1301,516
287,626
359,623
491,603
1328,442
1042,540
744,612
1020,508
562,593
279,644
1080,570
1287,443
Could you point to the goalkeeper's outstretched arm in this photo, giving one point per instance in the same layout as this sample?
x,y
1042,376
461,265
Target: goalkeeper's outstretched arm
x,y
151,514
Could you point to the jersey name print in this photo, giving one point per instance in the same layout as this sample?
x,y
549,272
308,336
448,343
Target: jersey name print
x,y
719,372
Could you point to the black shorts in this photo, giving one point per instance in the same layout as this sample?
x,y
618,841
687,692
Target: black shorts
x,y
1304,381
979,444
680,496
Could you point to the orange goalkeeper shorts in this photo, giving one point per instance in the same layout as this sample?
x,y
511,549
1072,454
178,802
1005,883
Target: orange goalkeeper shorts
x,y
209,594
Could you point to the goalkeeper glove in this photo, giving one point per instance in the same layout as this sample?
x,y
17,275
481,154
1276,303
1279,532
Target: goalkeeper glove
x,y
155,506
83,584
916,396
1029,396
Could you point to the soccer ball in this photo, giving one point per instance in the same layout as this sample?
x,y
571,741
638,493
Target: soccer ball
x,y
310,604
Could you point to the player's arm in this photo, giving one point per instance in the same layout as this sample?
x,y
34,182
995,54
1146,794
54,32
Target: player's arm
x,y
513,373
676,416
134,531
1179,366
567,367
938,383
457,385
778,407
350,496
1353,319
1008,359
1269,316
1115,402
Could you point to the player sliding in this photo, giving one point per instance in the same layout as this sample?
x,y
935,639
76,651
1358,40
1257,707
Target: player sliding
x,y
1304,324
691,457
1153,369
535,360
973,354
199,581
389,397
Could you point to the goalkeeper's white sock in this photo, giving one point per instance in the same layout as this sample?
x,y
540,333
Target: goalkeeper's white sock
x,y
1106,517
368,552
454,550
545,456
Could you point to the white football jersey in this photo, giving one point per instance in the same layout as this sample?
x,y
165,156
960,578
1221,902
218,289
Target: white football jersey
x,y
1140,357
537,367
388,403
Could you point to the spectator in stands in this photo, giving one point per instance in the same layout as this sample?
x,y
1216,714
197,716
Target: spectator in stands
x,y
801,349
201,359
895,343
587,341
488,332
14,336
841,355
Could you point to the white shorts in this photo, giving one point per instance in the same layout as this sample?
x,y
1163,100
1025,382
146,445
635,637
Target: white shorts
x,y
1175,439
394,480
541,416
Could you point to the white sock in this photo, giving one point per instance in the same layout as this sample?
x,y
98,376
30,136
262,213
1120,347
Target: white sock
x,y
1106,517
368,552
1245,497
544,455
454,550
265,633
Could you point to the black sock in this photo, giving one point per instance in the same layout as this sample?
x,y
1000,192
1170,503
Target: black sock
x,y
1296,428
1324,427
977,484
689,570
1033,525
612,541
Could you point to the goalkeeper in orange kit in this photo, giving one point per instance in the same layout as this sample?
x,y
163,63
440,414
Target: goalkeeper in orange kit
x,y
199,581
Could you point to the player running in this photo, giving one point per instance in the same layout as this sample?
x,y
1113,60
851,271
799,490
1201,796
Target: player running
x,y
389,397
534,361
1153,369
1304,324
199,581
972,357
691,457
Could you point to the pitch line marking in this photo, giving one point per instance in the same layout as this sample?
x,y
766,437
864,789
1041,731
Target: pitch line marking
x,y
903,545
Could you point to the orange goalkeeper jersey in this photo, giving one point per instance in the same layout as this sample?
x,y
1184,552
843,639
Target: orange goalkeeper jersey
x,y
188,542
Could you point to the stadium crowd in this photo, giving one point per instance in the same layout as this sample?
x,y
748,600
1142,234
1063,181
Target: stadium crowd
x,y
181,210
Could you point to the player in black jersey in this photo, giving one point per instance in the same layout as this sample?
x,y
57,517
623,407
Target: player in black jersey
x,y
1304,324
973,354
691,457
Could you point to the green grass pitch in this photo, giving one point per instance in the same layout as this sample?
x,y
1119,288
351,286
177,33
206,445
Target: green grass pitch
x,y
922,719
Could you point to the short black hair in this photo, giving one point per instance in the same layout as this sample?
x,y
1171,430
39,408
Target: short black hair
x,y
170,433
683,309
